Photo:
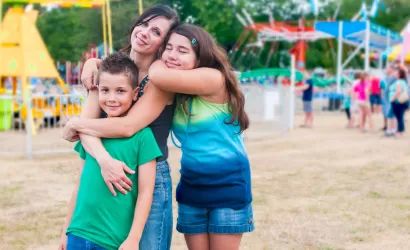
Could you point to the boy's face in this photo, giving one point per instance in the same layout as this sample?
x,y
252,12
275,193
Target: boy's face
x,y
115,94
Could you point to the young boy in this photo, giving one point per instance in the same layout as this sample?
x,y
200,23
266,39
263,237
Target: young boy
x,y
95,217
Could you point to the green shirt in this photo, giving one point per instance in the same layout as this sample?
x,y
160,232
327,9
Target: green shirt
x,y
99,216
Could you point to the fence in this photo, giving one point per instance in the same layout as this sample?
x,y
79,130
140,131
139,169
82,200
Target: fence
x,y
39,132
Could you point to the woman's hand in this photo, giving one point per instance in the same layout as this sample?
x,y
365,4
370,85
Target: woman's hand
x,y
113,173
130,244
89,73
69,132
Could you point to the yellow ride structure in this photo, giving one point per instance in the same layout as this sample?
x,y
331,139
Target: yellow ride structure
x,y
23,54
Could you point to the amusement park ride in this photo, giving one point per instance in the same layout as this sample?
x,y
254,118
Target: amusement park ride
x,y
23,55
359,32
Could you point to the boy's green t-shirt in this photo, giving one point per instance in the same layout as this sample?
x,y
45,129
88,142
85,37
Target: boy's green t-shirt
x,y
99,216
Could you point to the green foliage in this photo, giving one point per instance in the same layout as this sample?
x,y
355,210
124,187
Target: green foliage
x,y
69,32
216,16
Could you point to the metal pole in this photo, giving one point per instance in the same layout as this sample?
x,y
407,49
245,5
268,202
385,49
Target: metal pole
x,y
339,57
388,47
367,48
29,116
104,24
140,7
1,12
292,92
109,27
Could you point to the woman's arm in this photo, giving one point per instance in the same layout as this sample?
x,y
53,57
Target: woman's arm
x,y
141,114
146,183
199,81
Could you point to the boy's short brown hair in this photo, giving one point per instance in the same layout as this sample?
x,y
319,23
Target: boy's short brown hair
x,y
119,63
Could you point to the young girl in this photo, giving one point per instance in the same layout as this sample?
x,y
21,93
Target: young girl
x,y
347,103
362,90
214,192
96,219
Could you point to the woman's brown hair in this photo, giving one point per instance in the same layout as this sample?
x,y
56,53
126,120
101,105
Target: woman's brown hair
x,y
210,55
159,10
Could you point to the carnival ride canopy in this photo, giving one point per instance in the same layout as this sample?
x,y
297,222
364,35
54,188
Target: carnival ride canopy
x,y
354,33
280,31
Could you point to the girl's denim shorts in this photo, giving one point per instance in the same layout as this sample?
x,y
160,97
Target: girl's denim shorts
x,y
194,220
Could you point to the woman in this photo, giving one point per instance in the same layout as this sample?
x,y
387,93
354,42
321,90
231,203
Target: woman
x,y
214,192
399,99
145,38
362,91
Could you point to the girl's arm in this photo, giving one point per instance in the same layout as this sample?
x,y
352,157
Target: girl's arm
x,y
146,183
71,206
141,114
199,81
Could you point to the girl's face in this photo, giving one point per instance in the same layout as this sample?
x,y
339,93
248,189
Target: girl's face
x,y
147,37
178,53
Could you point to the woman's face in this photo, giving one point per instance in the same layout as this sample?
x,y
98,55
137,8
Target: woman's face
x,y
178,53
147,37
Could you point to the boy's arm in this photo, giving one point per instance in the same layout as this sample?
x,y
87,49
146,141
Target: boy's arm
x,y
146,183
71,206
113,171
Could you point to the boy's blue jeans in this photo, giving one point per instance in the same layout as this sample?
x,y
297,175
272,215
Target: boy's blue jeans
x,y
79,243
158,228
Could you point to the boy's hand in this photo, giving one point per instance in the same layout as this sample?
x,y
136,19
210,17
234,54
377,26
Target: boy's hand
x,y
63,242
129,244
113,172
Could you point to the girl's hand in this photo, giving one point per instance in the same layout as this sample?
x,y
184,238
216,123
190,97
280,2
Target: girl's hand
x,y
129,244
63,242
113,172
89,73
69,133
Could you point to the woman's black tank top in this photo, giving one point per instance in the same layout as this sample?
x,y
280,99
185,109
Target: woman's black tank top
x,y
162,125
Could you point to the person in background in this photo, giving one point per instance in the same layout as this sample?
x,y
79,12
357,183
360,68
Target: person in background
x,y
307,98
347,102
375,95
389,120
362,90
399,98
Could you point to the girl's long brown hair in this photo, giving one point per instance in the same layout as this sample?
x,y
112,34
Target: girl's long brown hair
x,y
210,55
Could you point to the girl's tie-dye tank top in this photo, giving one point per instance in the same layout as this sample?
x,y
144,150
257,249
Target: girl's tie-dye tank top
x,y
215,169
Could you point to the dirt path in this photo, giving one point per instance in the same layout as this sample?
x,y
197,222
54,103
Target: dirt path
x,y
321,188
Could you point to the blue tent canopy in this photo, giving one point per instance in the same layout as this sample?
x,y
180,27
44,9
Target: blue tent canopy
x,y
354,33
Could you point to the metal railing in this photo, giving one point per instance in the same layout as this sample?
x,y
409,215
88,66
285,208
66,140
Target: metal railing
x,y
22,133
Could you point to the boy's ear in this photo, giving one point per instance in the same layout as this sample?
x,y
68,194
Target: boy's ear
x,y
135,94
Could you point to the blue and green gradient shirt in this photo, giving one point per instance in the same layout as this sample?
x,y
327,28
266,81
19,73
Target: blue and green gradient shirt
x,y
215,171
